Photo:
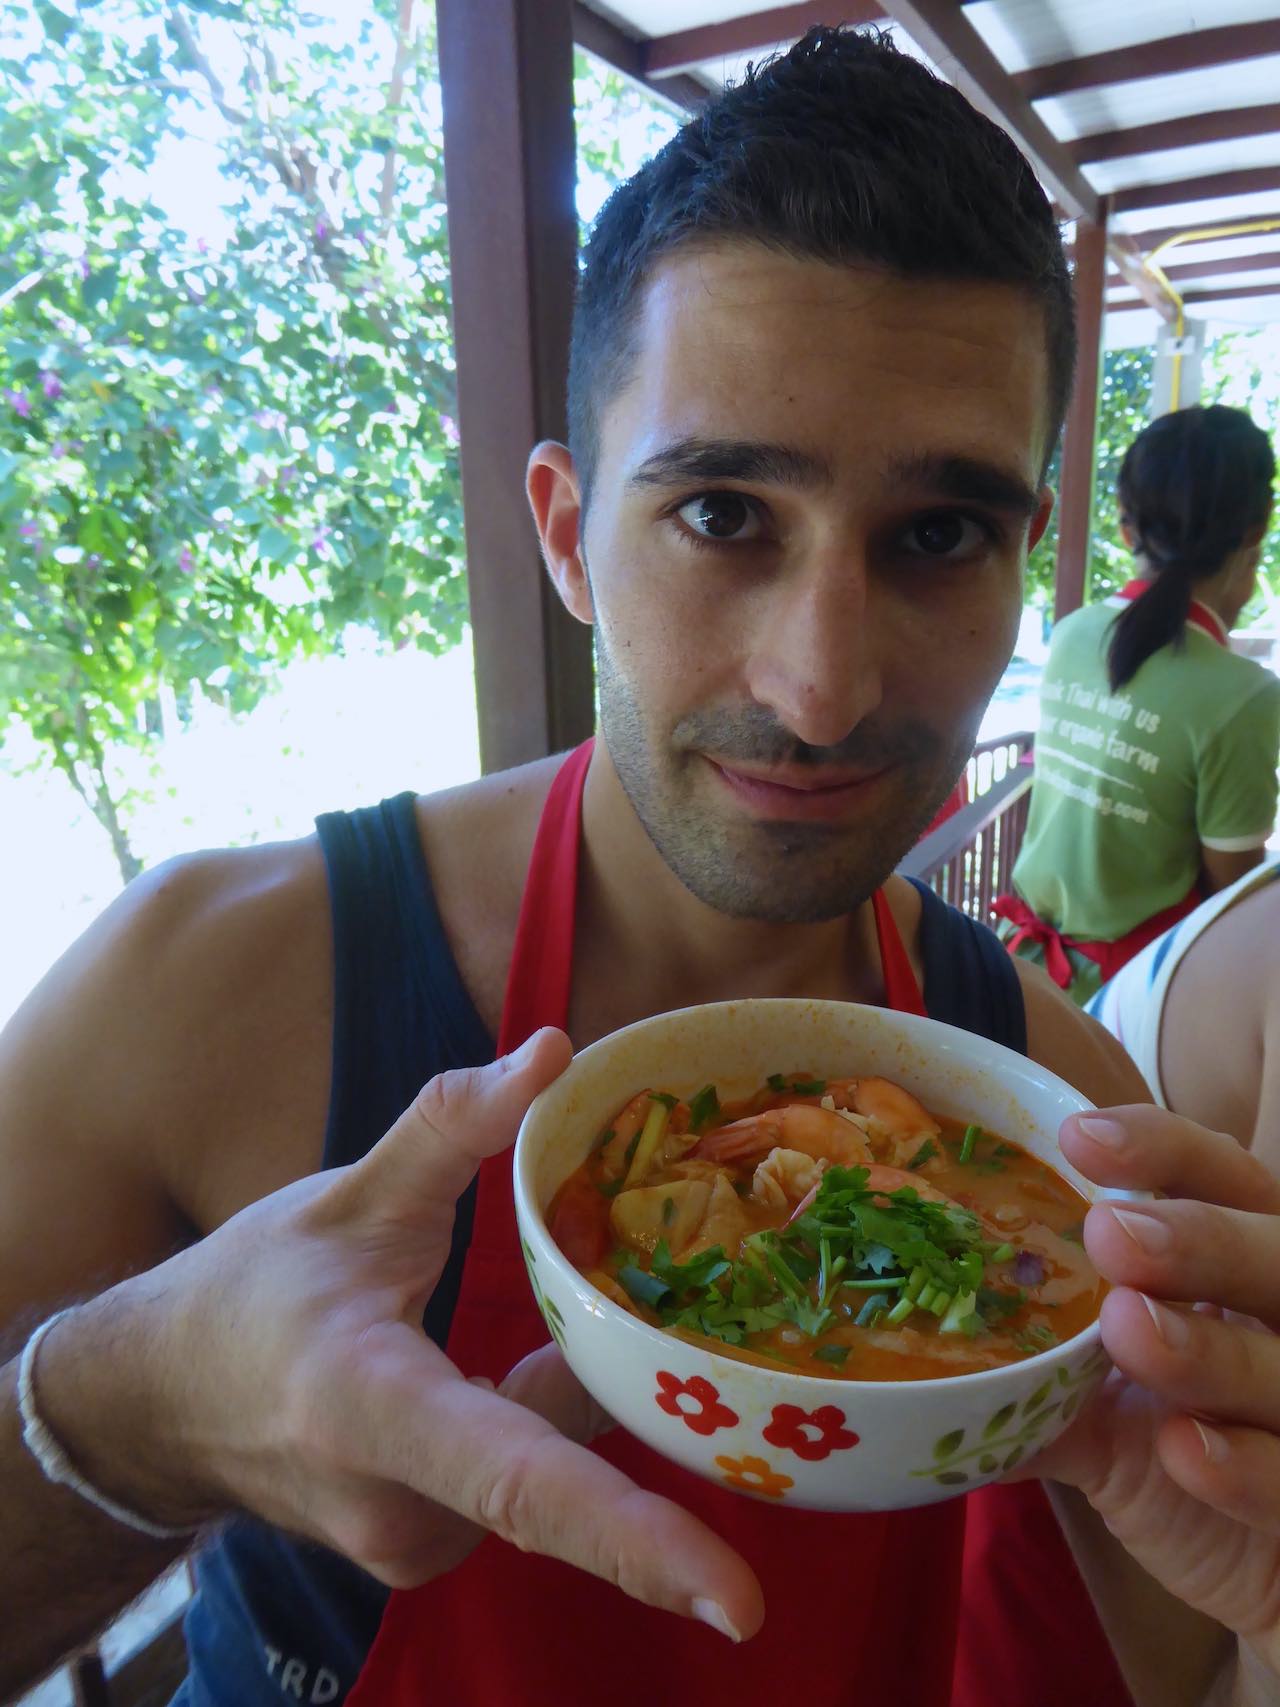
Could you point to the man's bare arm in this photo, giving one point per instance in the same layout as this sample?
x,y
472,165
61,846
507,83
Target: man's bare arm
x,y
65,1569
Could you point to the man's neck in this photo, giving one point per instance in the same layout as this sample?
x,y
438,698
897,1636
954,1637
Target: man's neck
x,y
644,944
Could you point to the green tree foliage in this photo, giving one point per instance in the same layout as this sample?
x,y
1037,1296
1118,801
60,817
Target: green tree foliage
x,y
214,455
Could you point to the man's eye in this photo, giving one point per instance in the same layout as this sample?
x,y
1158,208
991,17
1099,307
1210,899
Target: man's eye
x,y
946,535
721,515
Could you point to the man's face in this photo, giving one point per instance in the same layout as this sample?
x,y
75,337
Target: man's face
x,y
809,518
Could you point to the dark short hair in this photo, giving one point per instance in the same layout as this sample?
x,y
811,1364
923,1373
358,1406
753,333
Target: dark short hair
x,y
1193,486
843,150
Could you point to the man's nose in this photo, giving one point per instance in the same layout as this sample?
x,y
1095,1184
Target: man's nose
x,y
815,659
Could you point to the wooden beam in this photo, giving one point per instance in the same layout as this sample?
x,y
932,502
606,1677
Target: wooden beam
x,y
1129,264
1146,241
1227,126
1250,181
1195,50
506,78
1197,299
680,51
626,54
1211,269
1075,489
940,28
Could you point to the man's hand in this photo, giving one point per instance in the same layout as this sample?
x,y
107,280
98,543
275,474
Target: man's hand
x,y
1180,1452
280,1367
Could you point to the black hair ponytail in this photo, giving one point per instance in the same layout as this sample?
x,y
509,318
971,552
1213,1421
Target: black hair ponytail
x,y
1193,486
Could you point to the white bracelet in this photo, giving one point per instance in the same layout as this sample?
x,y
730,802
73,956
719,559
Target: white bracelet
x,y
43,1445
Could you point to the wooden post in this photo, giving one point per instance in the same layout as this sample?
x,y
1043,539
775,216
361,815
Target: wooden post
x,y
1075,492
506,77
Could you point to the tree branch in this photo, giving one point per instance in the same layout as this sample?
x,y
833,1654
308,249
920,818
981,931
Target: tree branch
x,y
395,95
186,39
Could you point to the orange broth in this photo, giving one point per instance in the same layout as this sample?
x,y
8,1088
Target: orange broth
x,y
1037,1289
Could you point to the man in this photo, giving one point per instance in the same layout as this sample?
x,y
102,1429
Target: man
x,y
821,356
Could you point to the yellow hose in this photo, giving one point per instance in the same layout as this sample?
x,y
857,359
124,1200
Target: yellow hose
x,y
1197,234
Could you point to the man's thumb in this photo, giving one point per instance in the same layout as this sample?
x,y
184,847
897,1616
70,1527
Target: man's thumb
x,y
454,1122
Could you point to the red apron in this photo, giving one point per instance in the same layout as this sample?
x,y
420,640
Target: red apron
x,y
860,1608
1108,957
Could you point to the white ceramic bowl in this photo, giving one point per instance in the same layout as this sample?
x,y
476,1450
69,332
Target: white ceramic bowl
x,y
834,1445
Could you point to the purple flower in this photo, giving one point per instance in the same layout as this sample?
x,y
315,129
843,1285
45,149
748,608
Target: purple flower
x,y
319,540
449,427
28,529
287,475
269,419
321,230
84,266
51,383
19,401
186,562
201,246
59,450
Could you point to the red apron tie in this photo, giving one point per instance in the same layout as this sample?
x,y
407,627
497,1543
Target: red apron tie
x,y
859,1608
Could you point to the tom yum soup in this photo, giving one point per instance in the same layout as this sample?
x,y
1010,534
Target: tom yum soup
x,y
829,1227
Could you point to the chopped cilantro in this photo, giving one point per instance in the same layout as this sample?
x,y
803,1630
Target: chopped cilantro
x,y
704,1107
926,1151
798,1087
644,1288
1038,1337
664,1097
1005,1150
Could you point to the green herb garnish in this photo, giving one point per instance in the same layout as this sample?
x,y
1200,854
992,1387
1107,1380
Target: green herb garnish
x,y
971,1137
832,1354
704,1107
797,1087
665,1098
926,1151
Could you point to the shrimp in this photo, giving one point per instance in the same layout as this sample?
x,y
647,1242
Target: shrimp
x,y
817,1132
893,1112
786,1177
881,1180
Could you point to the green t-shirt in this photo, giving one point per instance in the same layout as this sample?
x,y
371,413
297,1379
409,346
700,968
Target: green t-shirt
x,y
1128,785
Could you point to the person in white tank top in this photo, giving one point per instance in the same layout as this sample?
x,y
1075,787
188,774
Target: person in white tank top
x,y
1198,1011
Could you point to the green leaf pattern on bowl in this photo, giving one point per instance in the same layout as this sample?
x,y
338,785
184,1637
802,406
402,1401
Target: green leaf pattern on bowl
x,y
1008,1433
550,1309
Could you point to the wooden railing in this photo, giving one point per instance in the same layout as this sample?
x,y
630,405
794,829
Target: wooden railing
x,y
968,860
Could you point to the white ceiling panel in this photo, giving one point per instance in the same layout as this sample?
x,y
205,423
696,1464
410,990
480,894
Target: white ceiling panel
x,y
1026,33
1222,210
1120,106
1171,165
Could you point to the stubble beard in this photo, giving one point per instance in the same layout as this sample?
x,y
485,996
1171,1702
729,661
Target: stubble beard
x,y
775,872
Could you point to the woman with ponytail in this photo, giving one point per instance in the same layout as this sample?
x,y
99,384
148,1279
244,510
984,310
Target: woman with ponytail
x,y
1155,779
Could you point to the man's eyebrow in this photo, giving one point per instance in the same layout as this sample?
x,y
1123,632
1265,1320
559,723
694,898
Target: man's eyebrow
x,y
970,479
697,459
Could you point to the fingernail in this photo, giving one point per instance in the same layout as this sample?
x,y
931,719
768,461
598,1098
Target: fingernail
x,y
1107,1132
1216,1446
1150,1235
1172,1328
711,1612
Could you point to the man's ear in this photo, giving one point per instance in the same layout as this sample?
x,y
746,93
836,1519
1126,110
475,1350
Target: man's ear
x,y
1040,521
556,502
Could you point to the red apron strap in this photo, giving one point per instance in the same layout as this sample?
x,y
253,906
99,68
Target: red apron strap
x,y
901,988
1032,928
542,954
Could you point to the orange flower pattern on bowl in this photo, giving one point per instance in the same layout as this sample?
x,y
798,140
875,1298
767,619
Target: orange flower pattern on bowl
x,y
754,1476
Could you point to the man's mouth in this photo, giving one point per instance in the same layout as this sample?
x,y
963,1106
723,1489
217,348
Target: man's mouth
x,y
795,792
